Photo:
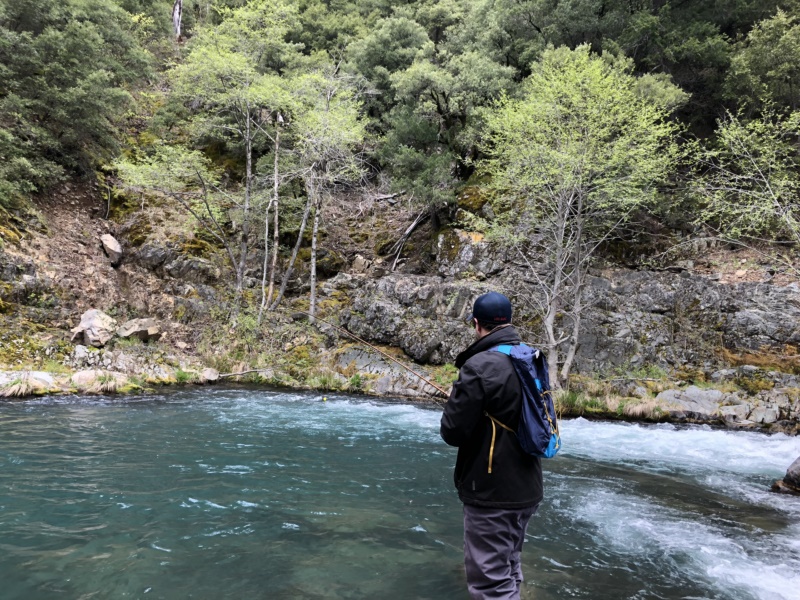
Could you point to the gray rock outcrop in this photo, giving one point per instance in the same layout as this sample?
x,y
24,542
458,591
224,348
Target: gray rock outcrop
x,y
144,329
112,248
421,315
191,268
96,327
632,318
692,403
153,256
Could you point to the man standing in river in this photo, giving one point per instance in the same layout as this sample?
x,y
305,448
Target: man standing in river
x,y
498,483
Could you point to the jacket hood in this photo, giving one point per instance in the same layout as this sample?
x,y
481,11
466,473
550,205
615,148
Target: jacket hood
x,y
505,335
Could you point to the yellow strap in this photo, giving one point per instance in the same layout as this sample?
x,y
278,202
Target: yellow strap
x,y
494,434
491,448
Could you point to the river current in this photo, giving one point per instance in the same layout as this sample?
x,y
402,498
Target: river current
x,y
241,493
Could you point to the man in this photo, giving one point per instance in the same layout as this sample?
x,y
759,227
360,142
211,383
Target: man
x,y
499,484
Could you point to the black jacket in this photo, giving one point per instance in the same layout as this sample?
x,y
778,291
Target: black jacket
x,y
487,383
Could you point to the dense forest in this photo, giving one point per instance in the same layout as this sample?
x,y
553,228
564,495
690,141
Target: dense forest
x,y
573,125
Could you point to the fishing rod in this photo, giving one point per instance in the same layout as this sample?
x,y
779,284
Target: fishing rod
x,y
366,343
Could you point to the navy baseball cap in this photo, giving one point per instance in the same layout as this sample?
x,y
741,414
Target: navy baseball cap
x,y
492,308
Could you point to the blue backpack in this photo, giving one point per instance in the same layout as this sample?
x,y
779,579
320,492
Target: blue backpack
x,y
538,428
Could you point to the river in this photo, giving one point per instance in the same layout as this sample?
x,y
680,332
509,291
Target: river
x,y
238,493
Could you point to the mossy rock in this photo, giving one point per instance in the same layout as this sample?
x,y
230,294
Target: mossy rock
x,y
754,385
472,198
383,242
138,233
196,247
330,262
9,235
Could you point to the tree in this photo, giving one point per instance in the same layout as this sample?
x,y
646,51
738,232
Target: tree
x,y
230,79
749,178
65,71
570,161
766,67
328,143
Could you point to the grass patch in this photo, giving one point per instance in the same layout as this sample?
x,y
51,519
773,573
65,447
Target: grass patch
x,y
182,376
785,361
324,380
445,376
56,367
355,383
16,388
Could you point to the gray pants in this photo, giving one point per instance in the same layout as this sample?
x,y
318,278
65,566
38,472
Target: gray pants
x,y
493,540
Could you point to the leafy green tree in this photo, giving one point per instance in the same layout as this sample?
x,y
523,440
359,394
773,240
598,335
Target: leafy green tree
x,y
230,79
329,137
390,48
749,178
65,70
766,67
570,161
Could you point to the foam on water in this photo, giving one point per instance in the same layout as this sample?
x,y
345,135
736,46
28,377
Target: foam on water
x,y
667,447
737,561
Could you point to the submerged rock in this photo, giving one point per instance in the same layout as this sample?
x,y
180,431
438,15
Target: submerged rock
x,y
97,328
790,484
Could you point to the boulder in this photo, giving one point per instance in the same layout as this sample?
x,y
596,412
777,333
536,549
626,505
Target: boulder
x,y
360,264
330,262
735,413
790,484
112,248
192,268
209,375
793,474
692,403
97,328
144,329
98,381
764,414
153,256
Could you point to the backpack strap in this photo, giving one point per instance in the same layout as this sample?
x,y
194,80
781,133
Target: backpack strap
x,y
494,434
503,349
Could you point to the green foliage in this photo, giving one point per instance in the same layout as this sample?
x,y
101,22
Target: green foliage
x,y
766,66
569,162
580,133
65,70
355,383
182,376
749,178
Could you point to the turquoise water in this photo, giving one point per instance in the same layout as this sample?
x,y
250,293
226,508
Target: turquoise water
x,y
226,493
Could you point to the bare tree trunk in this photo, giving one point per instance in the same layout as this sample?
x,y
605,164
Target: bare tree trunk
x,y
296,249
177,14
314,232
266,262
244,242
266,297
577,296
275,230
556,293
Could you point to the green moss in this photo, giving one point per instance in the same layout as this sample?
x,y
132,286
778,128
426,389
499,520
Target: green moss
x,y
472,198
138,233
9,234
754,384
197,247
